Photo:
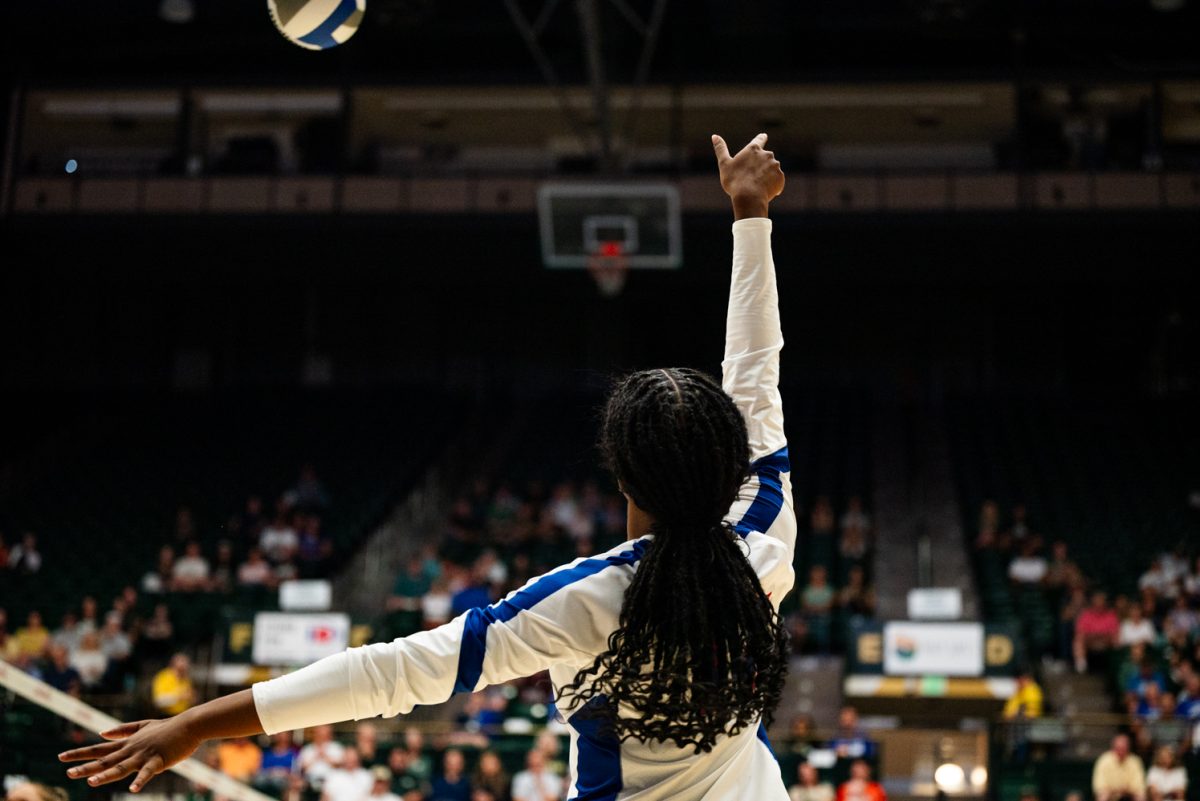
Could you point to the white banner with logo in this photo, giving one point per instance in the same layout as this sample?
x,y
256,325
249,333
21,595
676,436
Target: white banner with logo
x,y
297,639
941,649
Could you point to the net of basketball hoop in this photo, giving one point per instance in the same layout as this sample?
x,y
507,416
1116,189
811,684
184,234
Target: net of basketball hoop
x,y
609,267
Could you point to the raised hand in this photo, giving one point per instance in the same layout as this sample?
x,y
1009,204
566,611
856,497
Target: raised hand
x,y
145,748
752,178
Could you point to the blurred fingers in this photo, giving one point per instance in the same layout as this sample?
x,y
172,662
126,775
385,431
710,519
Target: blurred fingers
x,y
87,752
151,769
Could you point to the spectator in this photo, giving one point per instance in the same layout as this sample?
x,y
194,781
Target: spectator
x,y
1166,781
157,634
1156,579
159,579
536,783
1096,630
32,638
32,791
453,784
366,743
1189,698
279,540
851,741
224,571
854,545
314,549
321,756
1026,702
1182,621
410,586
419,764
239,758
59,673
491,776
856,598
190,572
115,644
8,643
1136,628
801,740
810,787
1191,583
475,594
1074,603
1118,774
348,782
1029,567
551,747
437,605
3,554
309,493
817,605
1061,571
1168,727
404,783
69,633
256,571
1148,679
860,787
251,521
855,516
381,786
90,661
185,525
1020,532
821,520
279,762
25,557
172,690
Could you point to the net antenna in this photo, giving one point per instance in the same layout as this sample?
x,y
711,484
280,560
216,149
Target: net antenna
x,y
609,267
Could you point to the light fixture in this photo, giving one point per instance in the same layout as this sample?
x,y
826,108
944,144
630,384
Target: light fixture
x,y
71,166
979,777
949,777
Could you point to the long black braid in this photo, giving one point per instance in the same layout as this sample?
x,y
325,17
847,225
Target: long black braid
x,y
700,651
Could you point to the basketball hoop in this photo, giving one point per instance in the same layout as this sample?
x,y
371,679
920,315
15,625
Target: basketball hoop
x,y
609,267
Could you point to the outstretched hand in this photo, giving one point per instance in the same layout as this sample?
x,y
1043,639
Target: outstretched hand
x,y
752,178
145,748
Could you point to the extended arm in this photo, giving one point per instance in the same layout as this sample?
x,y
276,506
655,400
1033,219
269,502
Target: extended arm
x,y
753,340
557,618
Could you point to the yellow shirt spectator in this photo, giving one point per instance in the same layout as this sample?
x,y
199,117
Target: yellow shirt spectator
x,y
1026,702
172,690
1118,773
239,759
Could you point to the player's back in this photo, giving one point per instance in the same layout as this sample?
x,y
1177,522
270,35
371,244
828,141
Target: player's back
x,y
738,767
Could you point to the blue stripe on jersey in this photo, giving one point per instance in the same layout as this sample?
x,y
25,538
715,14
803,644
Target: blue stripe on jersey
x,y
322,35
762,735
769,500
598,768
474,640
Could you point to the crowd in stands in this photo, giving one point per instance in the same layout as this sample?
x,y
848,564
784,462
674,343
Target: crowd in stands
x,y
413,766
106,651
252,550
833,577
1143,640
837,768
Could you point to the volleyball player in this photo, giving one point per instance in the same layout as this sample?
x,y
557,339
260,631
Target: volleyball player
x,y
666,653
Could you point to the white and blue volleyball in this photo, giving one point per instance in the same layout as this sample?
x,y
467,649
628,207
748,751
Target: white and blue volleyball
x,y
317,24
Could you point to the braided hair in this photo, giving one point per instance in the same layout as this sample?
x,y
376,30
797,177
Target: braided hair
x,y
700,651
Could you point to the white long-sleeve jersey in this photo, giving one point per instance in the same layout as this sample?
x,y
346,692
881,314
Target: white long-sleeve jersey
x,y
562,620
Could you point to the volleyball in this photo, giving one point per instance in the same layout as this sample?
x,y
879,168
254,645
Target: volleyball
x,y
317,24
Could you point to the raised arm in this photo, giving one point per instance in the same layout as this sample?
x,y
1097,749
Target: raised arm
x,y
753,340
753,337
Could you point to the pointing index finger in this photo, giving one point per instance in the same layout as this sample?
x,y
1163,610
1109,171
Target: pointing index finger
x,y
759,141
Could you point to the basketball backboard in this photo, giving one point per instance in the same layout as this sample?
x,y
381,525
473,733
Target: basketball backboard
x,y
579,221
